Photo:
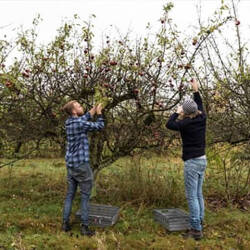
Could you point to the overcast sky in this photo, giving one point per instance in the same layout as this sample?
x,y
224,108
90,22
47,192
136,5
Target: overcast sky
x,y
124,14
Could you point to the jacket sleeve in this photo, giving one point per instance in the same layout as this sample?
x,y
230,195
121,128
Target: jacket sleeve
x,y
93,126
172,123
198,100
85,117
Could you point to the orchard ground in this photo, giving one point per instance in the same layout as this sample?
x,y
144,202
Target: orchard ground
x,y
32,194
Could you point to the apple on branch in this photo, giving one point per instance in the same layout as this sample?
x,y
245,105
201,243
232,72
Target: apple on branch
x,y
113,63
136,91
194,41
8,84
237,22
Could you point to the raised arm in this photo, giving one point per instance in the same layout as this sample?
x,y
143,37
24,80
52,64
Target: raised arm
x,y
88,115
98,124
85,117
172,123
93,126
197,97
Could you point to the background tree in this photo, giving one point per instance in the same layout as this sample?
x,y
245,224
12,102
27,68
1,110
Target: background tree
x,y
139,83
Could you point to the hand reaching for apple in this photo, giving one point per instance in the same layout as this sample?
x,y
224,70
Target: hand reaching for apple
x,y
194,84
99,109
92,111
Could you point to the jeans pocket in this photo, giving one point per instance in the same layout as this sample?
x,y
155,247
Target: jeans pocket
x,y
203,165
89,173
80,172
84,173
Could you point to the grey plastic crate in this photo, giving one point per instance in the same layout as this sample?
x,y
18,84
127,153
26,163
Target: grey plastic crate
x,y
173,219
101,215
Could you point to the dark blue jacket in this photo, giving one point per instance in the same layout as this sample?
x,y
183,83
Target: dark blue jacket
x,y
193,131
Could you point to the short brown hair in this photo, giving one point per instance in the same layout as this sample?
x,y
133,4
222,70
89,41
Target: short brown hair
x,y
68,107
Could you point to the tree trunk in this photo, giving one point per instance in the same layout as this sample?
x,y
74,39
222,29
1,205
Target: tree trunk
x,y
18,147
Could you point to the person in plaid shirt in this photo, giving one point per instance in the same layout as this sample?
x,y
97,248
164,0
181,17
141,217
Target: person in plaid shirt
x,y
79,171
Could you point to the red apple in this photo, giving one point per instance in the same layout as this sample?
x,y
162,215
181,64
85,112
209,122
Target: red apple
x,y
162,20
113,63
153,89
8,84
25,74
194,41
187,66
237,22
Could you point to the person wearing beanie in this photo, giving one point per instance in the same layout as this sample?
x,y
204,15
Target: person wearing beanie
x,y
190,121
189,106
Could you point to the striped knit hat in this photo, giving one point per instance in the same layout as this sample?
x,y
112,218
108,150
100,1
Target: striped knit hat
x,y
189,106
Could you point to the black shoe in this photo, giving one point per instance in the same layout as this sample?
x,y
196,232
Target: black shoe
x,y
86,231
192,233
66,226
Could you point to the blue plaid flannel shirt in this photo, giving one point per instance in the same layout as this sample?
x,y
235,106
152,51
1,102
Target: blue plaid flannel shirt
x,y
77,150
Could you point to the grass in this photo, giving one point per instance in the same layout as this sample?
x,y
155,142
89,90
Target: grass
x,y
32,195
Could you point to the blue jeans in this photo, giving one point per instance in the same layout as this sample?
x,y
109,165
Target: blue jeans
x,y
194,170
82,176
